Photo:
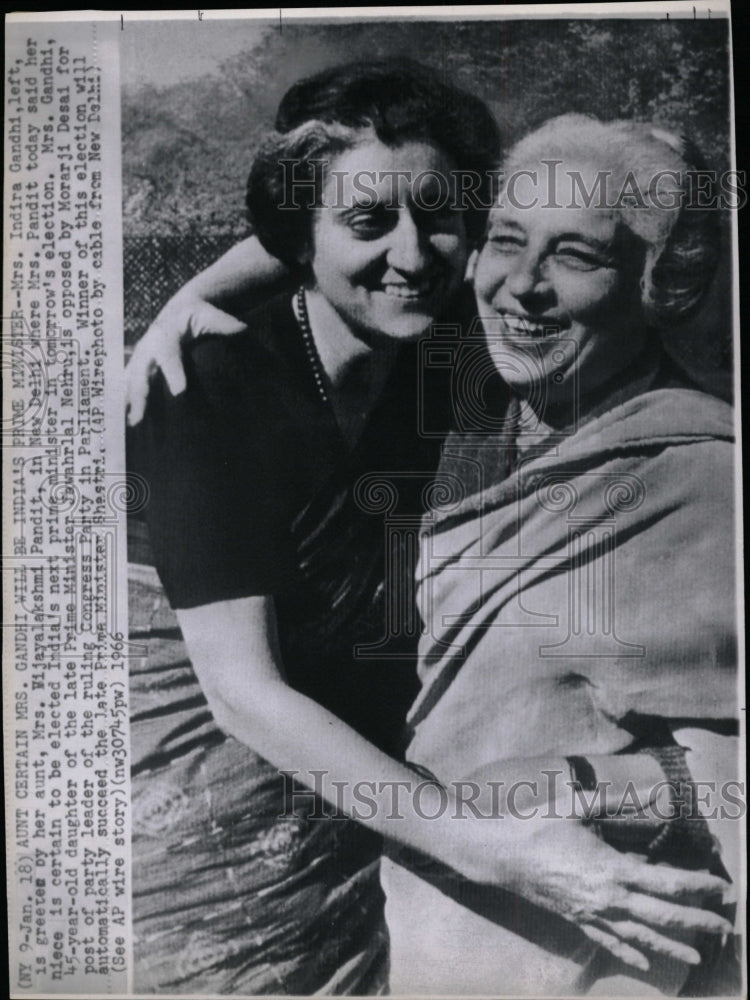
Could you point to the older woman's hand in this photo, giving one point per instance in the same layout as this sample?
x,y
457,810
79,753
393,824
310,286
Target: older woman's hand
x,y
186,315
245,274
620,901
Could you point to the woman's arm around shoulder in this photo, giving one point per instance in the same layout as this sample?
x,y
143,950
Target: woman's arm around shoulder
x,y
245,273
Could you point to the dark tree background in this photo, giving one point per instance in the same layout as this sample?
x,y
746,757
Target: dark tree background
x,y
187,147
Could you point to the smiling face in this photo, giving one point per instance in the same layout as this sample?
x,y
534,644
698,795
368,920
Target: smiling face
x,y
559,291
388,264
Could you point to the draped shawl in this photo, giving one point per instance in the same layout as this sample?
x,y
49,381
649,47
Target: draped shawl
x,y
596,581
593,585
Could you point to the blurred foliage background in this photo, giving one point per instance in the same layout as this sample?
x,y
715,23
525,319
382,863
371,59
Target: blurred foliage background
x,y
187,146
197,97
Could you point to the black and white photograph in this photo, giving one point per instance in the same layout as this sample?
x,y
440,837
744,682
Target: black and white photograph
x,y
375,403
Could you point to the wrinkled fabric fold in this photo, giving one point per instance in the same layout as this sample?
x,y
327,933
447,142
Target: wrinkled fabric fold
x,y
597,580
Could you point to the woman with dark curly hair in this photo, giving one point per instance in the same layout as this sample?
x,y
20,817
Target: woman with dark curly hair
x,y
267,476
276,572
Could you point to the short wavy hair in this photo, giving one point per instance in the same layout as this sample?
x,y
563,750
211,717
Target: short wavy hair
x,y
321,116
682,239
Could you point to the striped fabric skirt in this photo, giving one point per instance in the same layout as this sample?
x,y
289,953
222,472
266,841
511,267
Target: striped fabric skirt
x,y
236,888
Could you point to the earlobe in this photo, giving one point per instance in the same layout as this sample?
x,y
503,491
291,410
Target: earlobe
x,y
306,251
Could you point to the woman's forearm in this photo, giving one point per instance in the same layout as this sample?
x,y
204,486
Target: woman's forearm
x,y
300,737
559,865
354,777
244,270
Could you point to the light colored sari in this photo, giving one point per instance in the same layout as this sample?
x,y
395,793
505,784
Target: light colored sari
x,y
592,587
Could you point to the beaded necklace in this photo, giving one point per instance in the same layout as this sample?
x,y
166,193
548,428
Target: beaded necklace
x,y
311,350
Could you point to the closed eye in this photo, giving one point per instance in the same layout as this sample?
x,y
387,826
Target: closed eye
x,y
582,259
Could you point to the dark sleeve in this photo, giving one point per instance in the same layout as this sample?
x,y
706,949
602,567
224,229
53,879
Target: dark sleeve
x,y
218,494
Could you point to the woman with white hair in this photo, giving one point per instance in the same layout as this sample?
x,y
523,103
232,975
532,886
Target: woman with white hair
x,y
581,595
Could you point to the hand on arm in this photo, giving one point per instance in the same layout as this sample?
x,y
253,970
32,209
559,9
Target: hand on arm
x,y
243,272
555,863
